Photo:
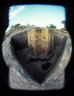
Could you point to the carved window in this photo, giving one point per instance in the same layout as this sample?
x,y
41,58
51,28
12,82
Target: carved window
x,y
44,37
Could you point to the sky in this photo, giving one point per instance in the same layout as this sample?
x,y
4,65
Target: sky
x,y
38,15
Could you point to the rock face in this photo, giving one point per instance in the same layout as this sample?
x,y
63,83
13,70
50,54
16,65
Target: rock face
x,y
20,40
20,79
37,67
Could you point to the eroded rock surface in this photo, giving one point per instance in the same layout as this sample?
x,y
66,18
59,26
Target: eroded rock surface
x,y
19,77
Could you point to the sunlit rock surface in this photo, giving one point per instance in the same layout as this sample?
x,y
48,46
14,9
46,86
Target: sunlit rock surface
x,y
19,77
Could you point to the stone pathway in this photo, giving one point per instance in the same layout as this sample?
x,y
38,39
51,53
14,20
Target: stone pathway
x,y
19,77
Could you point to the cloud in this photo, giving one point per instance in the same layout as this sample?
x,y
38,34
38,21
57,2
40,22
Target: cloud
x,y
14,10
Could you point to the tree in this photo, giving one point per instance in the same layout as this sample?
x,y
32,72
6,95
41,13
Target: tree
x,y
32,25
46,26
17,25
52,26
63,22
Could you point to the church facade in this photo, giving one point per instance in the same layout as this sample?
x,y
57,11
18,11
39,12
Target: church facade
x,y
40,41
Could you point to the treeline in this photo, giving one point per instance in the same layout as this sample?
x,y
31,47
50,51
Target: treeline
x,y
20,27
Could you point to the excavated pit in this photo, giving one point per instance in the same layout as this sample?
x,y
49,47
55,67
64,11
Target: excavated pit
x,y
38,68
